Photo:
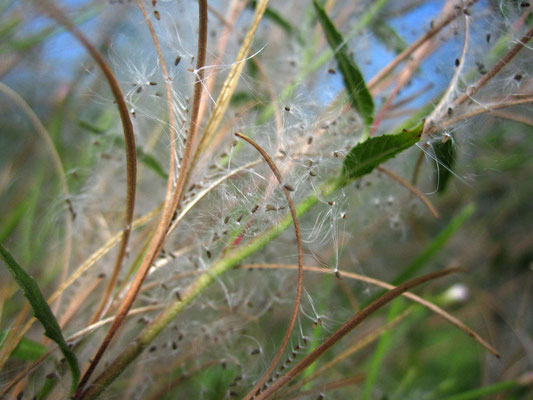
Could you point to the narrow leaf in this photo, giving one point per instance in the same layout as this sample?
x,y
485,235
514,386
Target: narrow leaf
x,y
26,350
445,154
366,156
355,85
42,312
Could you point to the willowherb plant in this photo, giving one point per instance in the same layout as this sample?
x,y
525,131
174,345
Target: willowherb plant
x,y
167,259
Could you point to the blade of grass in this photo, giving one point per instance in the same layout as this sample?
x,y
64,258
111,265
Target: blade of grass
x,y
42,312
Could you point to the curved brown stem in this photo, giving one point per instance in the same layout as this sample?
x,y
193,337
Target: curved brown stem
x,y
349,326
286,191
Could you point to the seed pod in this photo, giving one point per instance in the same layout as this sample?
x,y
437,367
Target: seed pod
x,y
177,61
288,187
157,15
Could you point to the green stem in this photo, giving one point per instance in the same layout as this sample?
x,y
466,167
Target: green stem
x,y
230,261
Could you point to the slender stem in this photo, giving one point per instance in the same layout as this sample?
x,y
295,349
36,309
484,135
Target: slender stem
x,y
349,326
288,333
168,210
412,188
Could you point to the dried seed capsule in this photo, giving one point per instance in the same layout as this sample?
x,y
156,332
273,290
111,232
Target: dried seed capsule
x,y
287,108
157,15
288,187
254,209
177,61
270,207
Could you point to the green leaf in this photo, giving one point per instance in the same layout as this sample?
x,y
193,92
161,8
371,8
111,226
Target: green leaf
x,y
355,85
151,162
445,154
42,312
26,350
366,156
